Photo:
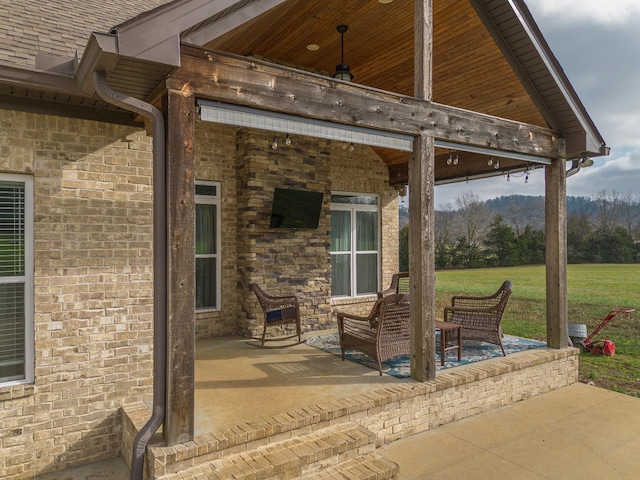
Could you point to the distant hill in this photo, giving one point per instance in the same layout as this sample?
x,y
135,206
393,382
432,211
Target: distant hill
x,y
532,208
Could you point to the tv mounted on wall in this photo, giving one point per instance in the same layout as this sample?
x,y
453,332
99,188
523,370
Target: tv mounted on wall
x,y
295,208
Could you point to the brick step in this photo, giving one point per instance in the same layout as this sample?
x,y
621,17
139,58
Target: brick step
x,y
287,459
370,466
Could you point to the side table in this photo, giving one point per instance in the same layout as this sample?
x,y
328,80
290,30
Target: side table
x,y
446,329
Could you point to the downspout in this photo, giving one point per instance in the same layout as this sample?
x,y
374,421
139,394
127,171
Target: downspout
x,y
575,168
159,264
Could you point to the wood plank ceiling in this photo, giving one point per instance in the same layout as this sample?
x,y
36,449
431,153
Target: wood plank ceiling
x,y
469,70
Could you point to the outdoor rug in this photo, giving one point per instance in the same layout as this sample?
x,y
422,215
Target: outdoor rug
x,y
399,367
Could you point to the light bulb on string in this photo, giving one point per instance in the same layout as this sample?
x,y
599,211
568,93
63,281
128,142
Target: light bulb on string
x,y
456,159
287,140
274,144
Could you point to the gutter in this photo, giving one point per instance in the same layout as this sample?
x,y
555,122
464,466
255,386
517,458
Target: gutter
x,y
159,264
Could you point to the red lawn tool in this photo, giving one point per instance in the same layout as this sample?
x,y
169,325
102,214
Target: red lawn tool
x,y
603,347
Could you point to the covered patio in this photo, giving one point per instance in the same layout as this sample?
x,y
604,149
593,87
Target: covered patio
x,y
440,91
236,383
258,403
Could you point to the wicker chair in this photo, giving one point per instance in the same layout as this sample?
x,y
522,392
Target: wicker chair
x,y
399,284
278,311
480,317
383,334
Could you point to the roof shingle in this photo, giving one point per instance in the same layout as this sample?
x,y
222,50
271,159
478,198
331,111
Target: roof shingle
x,y
59,27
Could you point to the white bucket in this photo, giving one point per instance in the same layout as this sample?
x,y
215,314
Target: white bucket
x,y
577,332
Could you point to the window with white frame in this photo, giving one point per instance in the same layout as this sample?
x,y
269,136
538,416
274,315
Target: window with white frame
x,y
354,245
16,279
207,245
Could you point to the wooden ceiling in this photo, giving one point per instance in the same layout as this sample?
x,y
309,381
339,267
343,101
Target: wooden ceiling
x,y
469,70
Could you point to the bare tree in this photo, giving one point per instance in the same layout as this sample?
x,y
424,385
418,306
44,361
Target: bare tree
x,y
524,213
607,210
630,213
473,218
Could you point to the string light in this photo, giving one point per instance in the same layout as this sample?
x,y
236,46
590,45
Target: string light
x,y
450,159
352,147
287,140
497,164
490,162
456,159
274,144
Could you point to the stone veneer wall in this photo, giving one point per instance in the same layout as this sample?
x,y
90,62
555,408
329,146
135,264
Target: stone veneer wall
x,y
93,290
288,261
281,261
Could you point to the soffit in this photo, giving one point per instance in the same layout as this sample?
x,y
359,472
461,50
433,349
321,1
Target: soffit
x,y
469,70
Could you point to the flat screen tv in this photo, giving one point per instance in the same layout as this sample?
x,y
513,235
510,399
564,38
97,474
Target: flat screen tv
x,y
295,208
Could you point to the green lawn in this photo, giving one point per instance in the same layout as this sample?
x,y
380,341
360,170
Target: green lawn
x,y
594,290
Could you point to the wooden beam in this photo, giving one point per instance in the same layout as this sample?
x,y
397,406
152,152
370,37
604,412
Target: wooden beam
x,y
421,212
179,424
239,80
556,253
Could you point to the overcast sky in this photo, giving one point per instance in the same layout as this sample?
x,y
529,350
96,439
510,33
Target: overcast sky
x,y
597,43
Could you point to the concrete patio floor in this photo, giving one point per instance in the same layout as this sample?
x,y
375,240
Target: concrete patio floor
x,y
573,432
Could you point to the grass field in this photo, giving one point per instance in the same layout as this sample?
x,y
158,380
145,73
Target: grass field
x,y
594,290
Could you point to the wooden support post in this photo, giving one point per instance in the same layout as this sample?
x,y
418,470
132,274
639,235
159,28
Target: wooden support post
x,y
556,253
421,211
179,424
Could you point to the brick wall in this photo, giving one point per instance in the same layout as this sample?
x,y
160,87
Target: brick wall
x,y
94,276
215,154
93,289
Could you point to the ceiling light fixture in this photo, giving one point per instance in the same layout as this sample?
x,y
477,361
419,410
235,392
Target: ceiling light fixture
x,y
342,70
586,162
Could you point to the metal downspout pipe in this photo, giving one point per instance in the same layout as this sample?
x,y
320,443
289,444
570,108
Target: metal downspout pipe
x,y
159,264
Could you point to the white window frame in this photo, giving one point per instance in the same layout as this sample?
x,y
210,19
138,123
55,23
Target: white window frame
x,y
27,279
216,201
353,208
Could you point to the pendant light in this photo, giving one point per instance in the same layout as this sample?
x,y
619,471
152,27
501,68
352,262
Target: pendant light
x,y
342,70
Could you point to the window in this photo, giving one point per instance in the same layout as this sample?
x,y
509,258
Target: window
x,y
207,246
354,245
16,279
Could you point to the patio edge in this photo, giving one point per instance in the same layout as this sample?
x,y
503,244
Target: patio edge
x,y
392,413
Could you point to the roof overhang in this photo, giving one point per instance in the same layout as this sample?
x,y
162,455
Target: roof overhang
x,y
147,49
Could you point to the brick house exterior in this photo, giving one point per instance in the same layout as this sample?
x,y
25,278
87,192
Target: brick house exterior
x,y
93,266
91,169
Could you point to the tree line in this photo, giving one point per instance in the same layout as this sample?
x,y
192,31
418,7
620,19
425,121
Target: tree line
x,y
509,231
